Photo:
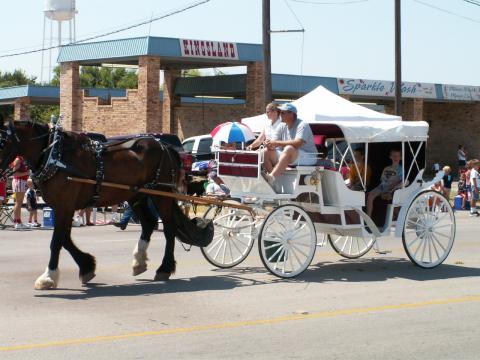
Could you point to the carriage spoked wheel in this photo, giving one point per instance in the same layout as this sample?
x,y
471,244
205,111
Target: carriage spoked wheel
x,y
429,230
351,247
234,235
287,241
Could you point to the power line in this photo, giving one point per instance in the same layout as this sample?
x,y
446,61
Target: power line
x,y
198,3
295,15
447,11
330,2
473,2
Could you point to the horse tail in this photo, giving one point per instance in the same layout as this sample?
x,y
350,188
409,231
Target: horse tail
x,y
196,231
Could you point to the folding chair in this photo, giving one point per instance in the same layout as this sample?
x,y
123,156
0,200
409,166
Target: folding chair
x,y
6,216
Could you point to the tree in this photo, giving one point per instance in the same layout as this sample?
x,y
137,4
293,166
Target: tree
x,y
102,77
191,73
90,76
15,78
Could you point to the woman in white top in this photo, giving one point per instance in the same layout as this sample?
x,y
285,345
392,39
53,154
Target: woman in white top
x,y
272,128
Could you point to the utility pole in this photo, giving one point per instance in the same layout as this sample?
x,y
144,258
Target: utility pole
x,y
267,62
398,60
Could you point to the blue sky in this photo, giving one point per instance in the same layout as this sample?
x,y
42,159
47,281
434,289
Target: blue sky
x,y
341,40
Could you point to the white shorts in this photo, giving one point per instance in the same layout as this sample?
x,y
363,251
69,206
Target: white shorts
x,y
303,158
19,185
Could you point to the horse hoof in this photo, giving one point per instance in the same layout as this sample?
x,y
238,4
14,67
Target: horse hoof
x,y
139,269
161,276
48,280
45,284
87,277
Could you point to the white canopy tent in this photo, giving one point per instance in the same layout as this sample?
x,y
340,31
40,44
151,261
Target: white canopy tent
x,y
357,123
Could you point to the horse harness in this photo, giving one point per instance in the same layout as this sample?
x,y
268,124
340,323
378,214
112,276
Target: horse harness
x,y
52,162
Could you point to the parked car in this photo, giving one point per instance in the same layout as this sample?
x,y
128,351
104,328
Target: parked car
x,y
200,148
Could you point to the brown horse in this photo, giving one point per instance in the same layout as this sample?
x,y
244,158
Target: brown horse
x,y
54,155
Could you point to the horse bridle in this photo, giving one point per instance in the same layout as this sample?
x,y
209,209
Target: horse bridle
x,y
6,136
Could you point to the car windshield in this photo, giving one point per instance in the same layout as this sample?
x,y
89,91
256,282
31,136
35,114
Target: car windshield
x,y
188,145
204,147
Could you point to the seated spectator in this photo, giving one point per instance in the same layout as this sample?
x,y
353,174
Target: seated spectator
x,y
354,177
438,187
215,186
272,127
390,180
298,147
447,181
462,190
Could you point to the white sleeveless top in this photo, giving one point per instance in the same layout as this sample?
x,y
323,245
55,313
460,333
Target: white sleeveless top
x,y
273,131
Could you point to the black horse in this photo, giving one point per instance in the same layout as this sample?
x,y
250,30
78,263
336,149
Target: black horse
x,y
54,155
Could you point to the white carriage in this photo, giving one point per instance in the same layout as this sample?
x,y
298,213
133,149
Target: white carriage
x,y
313,205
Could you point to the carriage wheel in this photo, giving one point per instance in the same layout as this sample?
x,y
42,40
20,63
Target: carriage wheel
x,y
287,241
233,237
429,230
351,247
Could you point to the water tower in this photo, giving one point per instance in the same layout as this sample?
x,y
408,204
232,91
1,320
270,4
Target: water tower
x,y
57,11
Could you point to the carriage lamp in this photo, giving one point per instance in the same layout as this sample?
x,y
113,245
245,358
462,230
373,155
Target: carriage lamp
x,y
313,179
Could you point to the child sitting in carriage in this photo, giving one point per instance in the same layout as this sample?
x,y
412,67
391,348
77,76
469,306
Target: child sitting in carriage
x,y
390,180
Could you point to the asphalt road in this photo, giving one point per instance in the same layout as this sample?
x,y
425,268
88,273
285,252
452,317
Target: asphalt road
x,y
377,307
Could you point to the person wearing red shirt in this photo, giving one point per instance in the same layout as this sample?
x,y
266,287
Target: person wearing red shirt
x,y
19,187
3,190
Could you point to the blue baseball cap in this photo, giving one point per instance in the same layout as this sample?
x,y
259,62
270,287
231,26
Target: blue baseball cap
x,y
288,107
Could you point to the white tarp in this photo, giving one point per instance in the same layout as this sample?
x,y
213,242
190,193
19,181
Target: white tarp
x,y
358,123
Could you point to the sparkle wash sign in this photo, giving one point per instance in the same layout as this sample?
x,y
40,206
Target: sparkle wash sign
x,y
209,49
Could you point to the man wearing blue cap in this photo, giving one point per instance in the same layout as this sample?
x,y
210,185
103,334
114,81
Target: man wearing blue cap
x,y
297,144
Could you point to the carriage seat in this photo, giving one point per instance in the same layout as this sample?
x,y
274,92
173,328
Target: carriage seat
x,y
336,193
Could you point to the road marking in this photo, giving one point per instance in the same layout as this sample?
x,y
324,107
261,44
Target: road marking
x,y
237,324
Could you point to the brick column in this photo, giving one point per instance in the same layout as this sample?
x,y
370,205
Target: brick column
x,y
412,110
148,91
70,96
22,109
170,100
255,100
418,110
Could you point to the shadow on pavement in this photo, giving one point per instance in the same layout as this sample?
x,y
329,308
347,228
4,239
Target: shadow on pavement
x,y
345,270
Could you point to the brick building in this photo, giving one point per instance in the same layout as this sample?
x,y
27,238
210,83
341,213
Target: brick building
x,y
192,106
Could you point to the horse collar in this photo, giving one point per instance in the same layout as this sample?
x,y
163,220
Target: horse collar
x,y
53,160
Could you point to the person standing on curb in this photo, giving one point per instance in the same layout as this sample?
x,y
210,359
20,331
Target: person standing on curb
x,y
474,184
19,187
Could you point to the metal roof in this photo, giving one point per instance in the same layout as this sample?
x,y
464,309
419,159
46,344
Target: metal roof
x,y
127,51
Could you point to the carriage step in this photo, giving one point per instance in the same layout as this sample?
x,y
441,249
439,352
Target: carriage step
x,y
382,252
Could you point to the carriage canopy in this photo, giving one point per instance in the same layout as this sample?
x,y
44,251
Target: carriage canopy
x,y
331,115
